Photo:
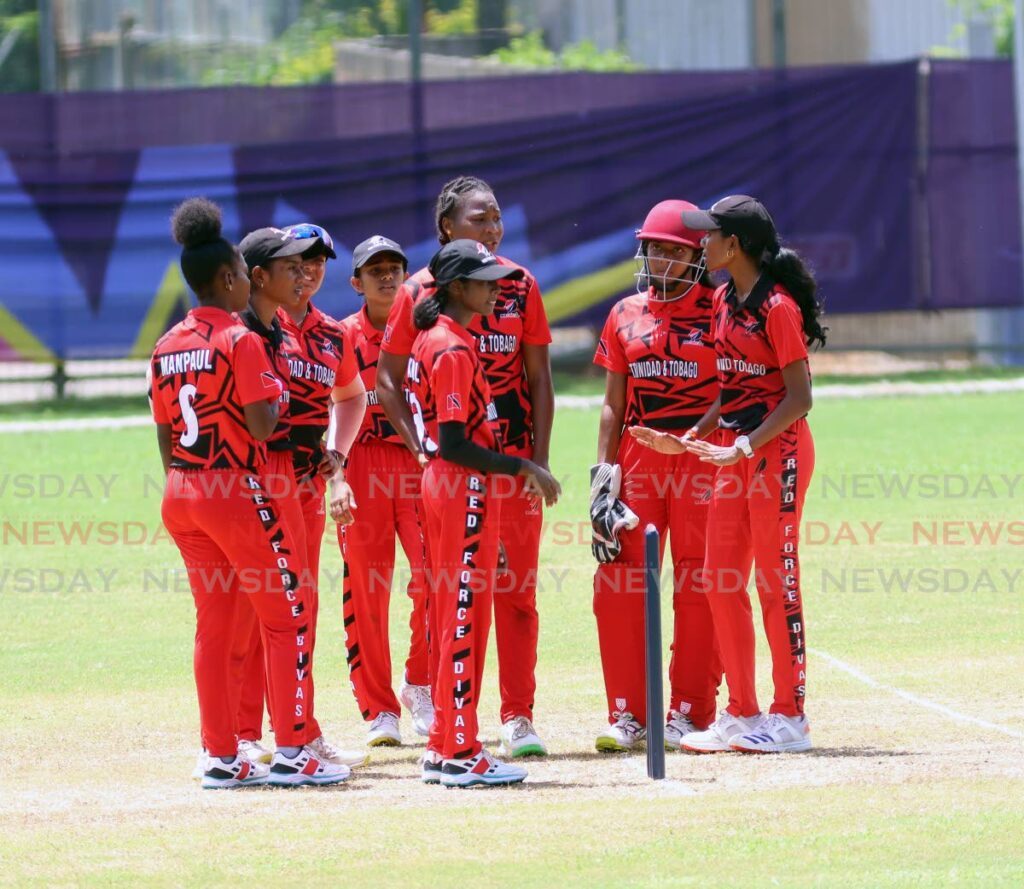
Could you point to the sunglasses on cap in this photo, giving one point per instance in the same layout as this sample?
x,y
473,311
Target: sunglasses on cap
x,y
309,230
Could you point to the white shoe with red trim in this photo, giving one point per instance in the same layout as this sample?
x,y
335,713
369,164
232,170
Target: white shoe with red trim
x,y
482,769
777,734
305,768
240,772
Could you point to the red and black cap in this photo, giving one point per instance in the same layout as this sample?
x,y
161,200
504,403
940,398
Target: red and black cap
x,y
266,244
366,250
737,214
465,258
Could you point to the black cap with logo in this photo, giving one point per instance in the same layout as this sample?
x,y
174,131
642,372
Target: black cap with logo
x,y
737,214
369,248
466,258
266,244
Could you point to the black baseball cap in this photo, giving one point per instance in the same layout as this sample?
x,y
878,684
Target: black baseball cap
x,y
369,248
737,214
265,244
466,258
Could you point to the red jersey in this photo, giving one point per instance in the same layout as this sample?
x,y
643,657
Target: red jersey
x,y
365,340
202,374
519,318
753,342
319,360
273,340
447,384
666,351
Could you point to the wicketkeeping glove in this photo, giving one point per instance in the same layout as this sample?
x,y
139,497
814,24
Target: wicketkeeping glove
x,y
608,515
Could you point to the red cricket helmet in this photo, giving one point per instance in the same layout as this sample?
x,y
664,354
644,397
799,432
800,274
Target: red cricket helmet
x,y
665,223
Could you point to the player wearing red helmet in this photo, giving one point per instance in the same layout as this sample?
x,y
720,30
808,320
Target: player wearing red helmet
x,y
656,348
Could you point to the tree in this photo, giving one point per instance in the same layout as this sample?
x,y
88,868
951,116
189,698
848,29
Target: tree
x,y
1000,13
19,46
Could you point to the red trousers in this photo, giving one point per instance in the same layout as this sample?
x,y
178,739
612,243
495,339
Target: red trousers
x,y
755,519
515,598
386,481
462,522
672,493
239,558
247,656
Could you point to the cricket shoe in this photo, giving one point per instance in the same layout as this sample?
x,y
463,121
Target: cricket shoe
x,y
518,738
431,763
305,768
482,769
717,737
240,772
677,726
254,751
776,734
416,699
326,751
200,767
384,731
624,735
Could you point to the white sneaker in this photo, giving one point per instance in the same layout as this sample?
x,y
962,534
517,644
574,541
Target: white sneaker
x,y
240,772
624,735
482,769
431,764
325,750
717,737
677,726
518,738
416,699
384,731
200,766
777,734
254,751
304,768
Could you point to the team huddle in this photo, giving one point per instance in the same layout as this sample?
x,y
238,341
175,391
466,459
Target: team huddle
x,y
425,418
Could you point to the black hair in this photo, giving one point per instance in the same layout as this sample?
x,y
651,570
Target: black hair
x,y
426,310
317,249
786,267
452,193
196,225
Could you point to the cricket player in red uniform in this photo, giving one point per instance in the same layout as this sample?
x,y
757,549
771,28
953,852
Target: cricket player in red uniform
x,y
215,402
327,399
460,435
385,480
512,344
278,279
656,348
764,319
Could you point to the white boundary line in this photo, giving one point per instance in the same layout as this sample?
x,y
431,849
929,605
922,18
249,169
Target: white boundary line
x,y
914,699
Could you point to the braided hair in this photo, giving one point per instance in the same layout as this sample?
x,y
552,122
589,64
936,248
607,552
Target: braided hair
x,y
196,225
450,198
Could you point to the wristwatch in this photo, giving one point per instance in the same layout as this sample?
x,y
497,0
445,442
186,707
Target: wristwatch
x,y
743,444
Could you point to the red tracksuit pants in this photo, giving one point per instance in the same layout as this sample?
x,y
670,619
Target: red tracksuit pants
x,y
672,493
248,656
386,481
462,523
516,624
239,558
755,519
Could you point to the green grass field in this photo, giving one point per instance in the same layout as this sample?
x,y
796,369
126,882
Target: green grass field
x,y
100,723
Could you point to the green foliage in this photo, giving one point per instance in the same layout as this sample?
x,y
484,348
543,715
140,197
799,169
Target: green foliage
x,y
460,19
530,51
1001,14
20,69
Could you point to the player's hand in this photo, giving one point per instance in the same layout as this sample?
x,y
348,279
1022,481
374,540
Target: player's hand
x,y
342,502
540,483
714,454
662,442
502,559
422,459
330,464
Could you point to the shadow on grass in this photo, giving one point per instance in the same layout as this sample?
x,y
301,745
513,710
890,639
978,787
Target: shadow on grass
x,y
857,752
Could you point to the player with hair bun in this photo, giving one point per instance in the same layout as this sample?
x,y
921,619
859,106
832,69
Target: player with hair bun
x,y
460,437
656,348
215,401
763,320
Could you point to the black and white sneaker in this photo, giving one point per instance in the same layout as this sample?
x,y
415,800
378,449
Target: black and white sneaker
x,y
482,769
240,772
431,763
305,768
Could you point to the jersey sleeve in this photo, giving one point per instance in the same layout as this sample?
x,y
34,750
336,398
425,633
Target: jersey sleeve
x,y
452,381
255,380
536,331
400,332
348,367
609,354
156,403
785,329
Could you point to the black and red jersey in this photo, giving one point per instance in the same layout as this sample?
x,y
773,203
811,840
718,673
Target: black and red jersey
x,y
273,345
519,318
319,360
447,384
753,342
666,352
365,341
203,372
